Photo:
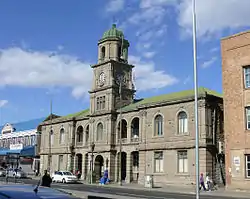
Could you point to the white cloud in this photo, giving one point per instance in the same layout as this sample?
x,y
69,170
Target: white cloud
x,y
37,69
115,6
3,103
208,63
149,54
25,68
214,16
147,77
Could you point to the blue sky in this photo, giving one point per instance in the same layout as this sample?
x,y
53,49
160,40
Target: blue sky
x,y
47,47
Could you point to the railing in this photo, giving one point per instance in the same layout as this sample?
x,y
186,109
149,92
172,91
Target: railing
x,y
79,143
135,139
124,140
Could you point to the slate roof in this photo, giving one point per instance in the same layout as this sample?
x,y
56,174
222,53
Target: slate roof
x,y
26,125
155,100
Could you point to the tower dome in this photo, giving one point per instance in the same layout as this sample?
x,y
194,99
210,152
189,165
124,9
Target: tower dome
x,y
113,32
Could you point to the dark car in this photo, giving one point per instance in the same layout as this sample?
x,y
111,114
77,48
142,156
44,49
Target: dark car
x,y
18,191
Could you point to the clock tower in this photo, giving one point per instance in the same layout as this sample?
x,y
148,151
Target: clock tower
x,y
111,72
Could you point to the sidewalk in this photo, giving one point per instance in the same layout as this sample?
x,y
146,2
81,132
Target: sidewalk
x,y
185,189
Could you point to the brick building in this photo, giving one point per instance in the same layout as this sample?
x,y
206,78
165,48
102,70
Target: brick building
x,y
235,52
157,133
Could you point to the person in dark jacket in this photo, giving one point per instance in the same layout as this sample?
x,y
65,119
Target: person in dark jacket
x,y
46,179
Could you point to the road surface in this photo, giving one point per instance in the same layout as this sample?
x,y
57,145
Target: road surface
x,y
150,194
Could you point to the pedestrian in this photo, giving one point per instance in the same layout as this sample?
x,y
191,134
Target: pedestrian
x,y
46,179
208,182
78,174
202,184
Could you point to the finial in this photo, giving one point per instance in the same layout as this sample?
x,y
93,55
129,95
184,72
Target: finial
x,y
114,22
113,25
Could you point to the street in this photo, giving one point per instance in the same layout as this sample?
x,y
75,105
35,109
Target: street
x,y
120,191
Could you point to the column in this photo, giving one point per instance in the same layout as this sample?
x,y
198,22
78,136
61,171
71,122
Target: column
x,y
128,168
75,161
129,133
117,167
142,166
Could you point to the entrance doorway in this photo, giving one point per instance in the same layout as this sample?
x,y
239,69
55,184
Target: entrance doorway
x,y
79,162
124,165
99,166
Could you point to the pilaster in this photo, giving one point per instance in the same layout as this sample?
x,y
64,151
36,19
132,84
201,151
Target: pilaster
x,y
128,168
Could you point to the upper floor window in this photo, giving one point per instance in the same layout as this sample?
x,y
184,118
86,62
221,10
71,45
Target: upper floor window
x,y
158,125
182,123
100,103
99,133
247,76
248,118
103,52
51,137
62,136
79,134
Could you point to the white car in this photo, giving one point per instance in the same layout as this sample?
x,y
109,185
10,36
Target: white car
x,y
64,177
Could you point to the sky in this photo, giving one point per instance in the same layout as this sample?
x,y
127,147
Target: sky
x,y
47,47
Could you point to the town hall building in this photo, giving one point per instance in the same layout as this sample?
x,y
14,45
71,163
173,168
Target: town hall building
x,y
155,136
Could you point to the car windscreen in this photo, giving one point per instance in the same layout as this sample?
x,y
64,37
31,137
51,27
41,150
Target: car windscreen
x,y
67,173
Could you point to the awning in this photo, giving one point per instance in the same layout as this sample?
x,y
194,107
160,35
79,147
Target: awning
x,y
8,151
28,151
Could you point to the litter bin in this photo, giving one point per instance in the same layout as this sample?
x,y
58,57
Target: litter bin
x,y
149,181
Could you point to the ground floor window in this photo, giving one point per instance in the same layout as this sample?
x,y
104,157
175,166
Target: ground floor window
x,y
158,161
182,161
248,166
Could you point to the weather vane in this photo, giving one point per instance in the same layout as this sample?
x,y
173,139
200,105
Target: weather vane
x,y
114,20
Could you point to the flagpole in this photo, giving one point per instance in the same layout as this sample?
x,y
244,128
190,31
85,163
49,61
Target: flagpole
x,y
197,169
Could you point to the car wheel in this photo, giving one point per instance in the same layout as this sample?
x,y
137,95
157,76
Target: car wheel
x,y
63,180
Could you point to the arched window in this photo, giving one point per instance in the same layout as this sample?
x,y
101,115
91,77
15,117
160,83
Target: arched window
x,y
103,52
79,135
182,123
87,135
99,133
158,125
62,136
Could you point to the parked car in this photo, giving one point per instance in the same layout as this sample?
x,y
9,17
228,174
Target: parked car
x,y
2,172
64,177
16,173
15,191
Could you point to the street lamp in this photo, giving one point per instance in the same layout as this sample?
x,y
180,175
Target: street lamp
x,y
92,160
120,80
50,134
196,105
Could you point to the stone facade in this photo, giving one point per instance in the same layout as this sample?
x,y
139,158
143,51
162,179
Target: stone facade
x,y
157,134
235,63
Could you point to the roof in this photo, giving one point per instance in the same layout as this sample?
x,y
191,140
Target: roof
x,y
26,125
170,97
113,32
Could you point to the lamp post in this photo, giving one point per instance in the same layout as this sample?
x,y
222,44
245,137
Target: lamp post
x,y
120,79
92,160
197,171
50,134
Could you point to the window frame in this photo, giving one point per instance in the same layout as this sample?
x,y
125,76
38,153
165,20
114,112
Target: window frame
x,y
246,167
246,73
160,168
182,123
246,117
99,135
62,138
182,157
156,125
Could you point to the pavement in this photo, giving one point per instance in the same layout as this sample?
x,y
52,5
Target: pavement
x,y
132,191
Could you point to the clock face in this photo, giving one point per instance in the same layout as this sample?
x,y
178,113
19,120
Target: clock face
x,y
102,78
